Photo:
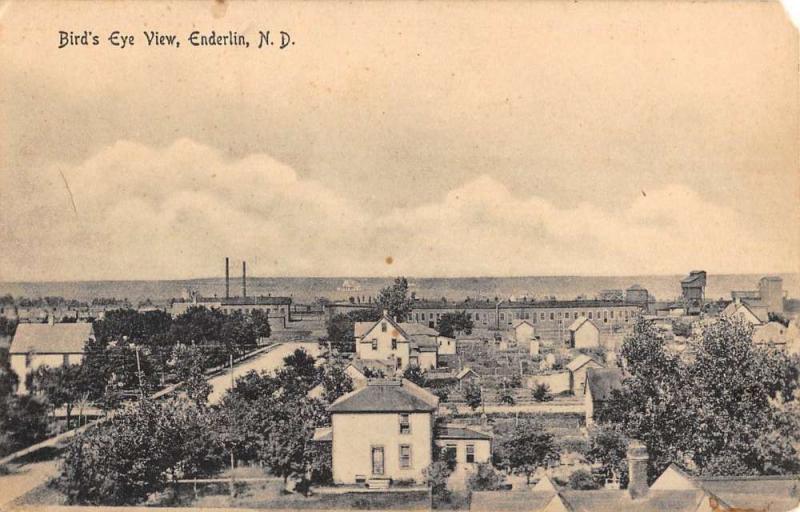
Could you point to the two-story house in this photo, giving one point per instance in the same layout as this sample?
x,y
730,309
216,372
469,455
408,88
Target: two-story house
x,y
385,431
397,344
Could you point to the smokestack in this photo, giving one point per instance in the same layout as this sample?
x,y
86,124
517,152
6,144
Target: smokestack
x,y
227,280
244,279
637,469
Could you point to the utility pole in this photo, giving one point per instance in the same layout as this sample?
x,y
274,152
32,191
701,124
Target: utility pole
x,y
232,486
139,372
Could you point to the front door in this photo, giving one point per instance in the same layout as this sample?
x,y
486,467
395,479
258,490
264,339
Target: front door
x,y
377,460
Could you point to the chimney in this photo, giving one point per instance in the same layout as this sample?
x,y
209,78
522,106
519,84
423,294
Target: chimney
x,y
51,319
244,279
227,280
637,469
385,312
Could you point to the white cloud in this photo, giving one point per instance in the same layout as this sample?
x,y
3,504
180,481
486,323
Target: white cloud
x,y
176,212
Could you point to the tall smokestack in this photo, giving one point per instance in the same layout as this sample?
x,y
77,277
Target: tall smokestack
x,y
227,280
244,279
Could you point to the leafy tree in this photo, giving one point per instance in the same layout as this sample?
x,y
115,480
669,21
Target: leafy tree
x,y
473,396
722,410
436,475
60,386
485,478
340,327
507,397
299,373
582,480
23,422
442,393
395,300
608,447
133,453
415,374
335,381
541,393
528,448
260,321
451,324
188,363
7,327
120,324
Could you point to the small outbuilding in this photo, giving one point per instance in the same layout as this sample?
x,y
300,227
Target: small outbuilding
x,y
583,333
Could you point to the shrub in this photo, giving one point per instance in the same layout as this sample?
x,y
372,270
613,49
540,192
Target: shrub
x,y
541,393
485,478
582,480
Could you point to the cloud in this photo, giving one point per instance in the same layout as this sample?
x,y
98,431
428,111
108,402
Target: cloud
x,y
175,212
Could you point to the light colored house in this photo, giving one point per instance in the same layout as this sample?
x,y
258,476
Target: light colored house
x,y
524,330
447,346
50,344
577,372
402,344
745,312
381,432
778,335
600,383
469,446
583,333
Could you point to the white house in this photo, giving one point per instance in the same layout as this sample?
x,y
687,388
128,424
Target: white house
x,y
381,432
583,333
469,446
744,312
577,373
524,330
50,344
398,344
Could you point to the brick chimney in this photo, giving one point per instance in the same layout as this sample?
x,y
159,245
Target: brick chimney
x,y
637,469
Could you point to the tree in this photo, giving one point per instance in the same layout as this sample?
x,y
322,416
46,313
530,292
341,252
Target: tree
x,y
608,447
341,327
260,321
23,422
335,381
60,386
414,374
721,411
299,373
436,475
451,324
395,300
188,363
485,478
541,393
133,453
473,396
528,448
582,480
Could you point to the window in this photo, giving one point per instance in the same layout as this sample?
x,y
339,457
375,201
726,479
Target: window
x,y
451,450
405,424
405,456
541,316
552,316
612,313
66,360
590,315
383,327
470,453
502,316
28,359
374,344
394,343
576,315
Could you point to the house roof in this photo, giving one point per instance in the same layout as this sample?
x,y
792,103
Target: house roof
x,y
517,323
775,332
408,330
452,432
466,371
602,381
545,485
53,339
580,361
531,304
577,324
386,395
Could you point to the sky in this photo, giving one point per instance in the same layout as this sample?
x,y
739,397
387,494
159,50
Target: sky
x,y
401,138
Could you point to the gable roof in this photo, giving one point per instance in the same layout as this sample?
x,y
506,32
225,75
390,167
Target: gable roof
x,y
577,324
545,485
602,381
452,432
517,323
466,371
51,339
386,395
580,361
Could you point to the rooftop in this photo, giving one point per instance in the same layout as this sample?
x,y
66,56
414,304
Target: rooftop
x,y
51,338
386,395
